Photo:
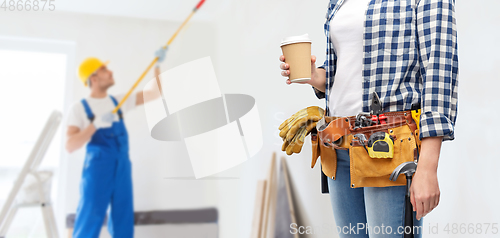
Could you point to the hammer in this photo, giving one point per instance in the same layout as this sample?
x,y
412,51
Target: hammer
x,y
408,169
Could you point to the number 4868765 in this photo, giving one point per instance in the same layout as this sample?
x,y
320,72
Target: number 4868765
x,y
28,5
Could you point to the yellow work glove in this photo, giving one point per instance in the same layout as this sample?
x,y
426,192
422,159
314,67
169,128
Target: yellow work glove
x,y
295,144
294,130
290,126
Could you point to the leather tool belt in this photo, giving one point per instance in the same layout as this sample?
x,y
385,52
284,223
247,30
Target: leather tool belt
x,y
337,133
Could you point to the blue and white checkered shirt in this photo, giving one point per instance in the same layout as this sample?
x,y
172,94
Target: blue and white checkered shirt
x,y
410,56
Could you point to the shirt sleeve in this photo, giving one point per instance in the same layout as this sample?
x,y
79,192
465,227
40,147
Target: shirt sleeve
x,y
437,45
129,104
75,116
318,93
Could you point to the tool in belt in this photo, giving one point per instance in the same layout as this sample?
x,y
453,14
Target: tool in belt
x,y
380,135
331,130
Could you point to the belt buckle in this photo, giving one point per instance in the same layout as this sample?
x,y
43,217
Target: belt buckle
x,y
362,119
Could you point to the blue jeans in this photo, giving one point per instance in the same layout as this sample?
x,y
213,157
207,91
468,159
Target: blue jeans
x,y
368,211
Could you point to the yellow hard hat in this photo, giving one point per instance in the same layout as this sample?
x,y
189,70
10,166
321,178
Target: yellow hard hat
x,y
88,67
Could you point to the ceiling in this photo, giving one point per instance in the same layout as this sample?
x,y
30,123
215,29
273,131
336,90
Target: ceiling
x,y
171,10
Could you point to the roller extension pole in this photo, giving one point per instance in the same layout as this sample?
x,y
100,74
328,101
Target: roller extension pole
x,y
156,58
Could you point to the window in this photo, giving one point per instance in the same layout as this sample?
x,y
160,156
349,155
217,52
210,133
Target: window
x,y
33,75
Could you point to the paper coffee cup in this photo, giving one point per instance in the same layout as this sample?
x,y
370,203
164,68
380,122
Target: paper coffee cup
x,y
297,52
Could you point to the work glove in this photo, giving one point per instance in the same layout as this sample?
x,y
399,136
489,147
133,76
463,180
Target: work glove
x,y
103,121
161,54
294,130
295,144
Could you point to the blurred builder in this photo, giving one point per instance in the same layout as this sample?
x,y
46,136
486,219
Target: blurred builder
x,y
106,175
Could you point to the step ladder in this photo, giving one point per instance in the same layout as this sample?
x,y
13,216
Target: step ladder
x,y
32,186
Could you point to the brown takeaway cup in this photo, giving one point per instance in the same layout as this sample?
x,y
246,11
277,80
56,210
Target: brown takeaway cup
x,y
297,52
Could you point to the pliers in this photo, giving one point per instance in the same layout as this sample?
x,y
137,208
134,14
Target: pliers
x,y
376,110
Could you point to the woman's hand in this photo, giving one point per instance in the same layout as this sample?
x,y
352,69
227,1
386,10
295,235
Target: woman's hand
x,y
424,188
424,192
286,70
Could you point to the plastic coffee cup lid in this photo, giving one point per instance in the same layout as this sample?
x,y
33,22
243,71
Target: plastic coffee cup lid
x,y
295,39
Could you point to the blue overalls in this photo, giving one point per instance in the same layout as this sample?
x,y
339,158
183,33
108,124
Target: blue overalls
x,y
106,180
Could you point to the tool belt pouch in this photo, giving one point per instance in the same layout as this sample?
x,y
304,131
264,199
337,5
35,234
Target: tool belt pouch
x,y
369,171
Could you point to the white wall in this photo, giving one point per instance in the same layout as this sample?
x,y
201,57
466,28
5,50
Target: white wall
x,y
243,41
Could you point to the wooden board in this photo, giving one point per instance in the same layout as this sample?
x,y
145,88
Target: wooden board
x,y
285,213
272,204
258,209
268,196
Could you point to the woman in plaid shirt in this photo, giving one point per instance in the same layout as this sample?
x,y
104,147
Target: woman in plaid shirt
x,y
406,52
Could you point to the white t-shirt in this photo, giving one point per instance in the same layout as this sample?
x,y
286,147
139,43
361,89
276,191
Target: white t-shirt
x,y
99,106
346,34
